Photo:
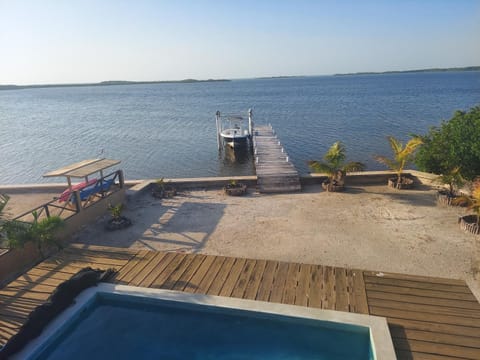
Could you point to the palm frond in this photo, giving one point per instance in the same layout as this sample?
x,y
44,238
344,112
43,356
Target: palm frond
x,y
462,200
336,154
353,166
401,155
410,147
321,167
391,164
473,201
395,144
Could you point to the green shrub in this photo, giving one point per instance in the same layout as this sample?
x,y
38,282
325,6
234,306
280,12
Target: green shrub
x,y
455,143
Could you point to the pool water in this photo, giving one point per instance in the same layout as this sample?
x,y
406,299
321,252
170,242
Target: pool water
x,y
124,327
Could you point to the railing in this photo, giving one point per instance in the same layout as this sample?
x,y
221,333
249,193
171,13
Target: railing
x,y
76,201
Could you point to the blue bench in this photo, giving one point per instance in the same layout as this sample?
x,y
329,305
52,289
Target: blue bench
x,y
100,186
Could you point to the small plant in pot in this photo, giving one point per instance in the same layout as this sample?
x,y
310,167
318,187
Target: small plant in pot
x,y
117,221
162,189
402,155
335,167
471,223
234,188
454,180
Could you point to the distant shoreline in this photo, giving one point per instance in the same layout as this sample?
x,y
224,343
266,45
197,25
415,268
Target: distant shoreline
x,y
190,81
108,83
467,68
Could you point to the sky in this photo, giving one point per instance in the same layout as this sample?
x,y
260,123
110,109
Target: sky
x,y
81,41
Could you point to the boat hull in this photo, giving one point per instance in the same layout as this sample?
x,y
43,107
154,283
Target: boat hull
x,y
234,138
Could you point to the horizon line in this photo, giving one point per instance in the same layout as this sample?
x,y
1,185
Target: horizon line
x,y
192,80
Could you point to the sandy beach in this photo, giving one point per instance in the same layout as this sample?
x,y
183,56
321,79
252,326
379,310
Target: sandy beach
x,y
370,227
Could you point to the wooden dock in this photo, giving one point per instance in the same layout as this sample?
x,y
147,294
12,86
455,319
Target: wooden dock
x,y
429,318
275,172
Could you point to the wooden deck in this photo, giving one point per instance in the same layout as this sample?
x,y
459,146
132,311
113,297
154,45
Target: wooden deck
x,y
429,318
275,172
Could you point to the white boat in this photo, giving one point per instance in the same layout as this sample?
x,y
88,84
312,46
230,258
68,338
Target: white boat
x,y
234,130
235,134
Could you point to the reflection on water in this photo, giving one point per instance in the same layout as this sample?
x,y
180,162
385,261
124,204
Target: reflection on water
x,y
236,161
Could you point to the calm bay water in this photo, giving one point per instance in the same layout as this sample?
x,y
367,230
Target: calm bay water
x,y
169,129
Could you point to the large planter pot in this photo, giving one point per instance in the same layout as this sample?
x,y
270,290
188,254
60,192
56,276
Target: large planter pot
x,y
404,184
327,185
469,223
163,192
235,189
118,223
445,198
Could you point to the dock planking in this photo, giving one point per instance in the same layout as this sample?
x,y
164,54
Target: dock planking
x,y
429,318
275,172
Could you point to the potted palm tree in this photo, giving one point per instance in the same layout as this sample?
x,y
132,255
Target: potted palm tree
x,y
471,223
235,188
402,155
117,221
162,189
43,233
335,167
454,180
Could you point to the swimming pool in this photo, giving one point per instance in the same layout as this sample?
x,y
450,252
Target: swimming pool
x,y
123,322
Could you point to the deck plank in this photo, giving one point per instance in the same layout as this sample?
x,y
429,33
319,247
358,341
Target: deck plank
x,y
422,300
428,347
291,284
443,328
429,318
425,279
421,292
341,290
266,284
149,264
435,337
358,295
232,278
427,309
176,274
205,275
457,288
197,278
328,300
256,276
417,315
191,269
242,282
316,282
128,272
303,286
217,284
279,282
158,264
161,279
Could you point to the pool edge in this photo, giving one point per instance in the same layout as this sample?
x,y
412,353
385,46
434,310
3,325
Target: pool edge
x,y
379,332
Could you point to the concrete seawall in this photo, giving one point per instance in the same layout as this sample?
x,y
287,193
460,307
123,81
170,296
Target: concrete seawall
x,y
356,178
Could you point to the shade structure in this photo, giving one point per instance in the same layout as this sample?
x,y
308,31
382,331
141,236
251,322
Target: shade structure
x,y
83,168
